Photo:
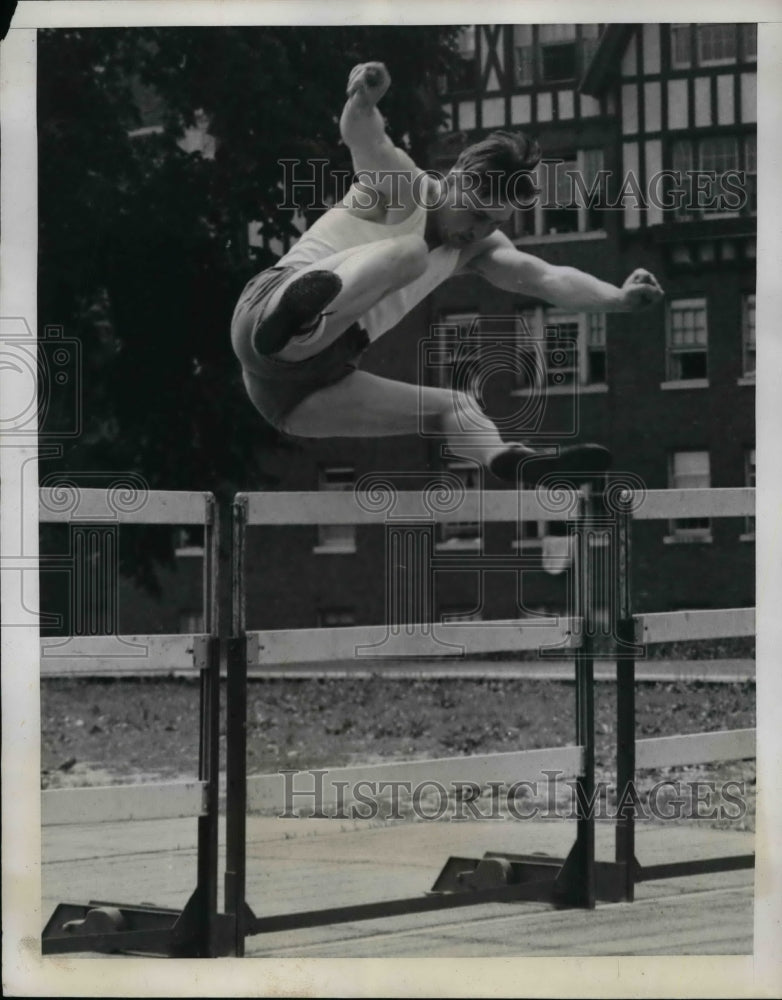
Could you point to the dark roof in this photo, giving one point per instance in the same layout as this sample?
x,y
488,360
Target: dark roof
x,y
604,65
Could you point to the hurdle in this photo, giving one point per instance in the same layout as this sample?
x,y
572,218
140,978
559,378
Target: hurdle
x,y
634,632
99,926
577,880
200,929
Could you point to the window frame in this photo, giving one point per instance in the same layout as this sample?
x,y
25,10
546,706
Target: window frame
x,y
686,31
185,544
450,534
548,317
693,34
750,143
748,32
678,530
748,305
452,327
336,539
679,143
531,541
671,379
527,52
583,211
720,61
568,44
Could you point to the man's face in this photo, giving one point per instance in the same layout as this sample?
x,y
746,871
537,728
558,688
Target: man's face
x,y
466,215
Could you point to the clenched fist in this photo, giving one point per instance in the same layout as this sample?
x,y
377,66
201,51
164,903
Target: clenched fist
x,y
368,82
641,290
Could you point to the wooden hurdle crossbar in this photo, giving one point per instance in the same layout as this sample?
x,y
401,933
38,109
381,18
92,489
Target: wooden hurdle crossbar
x,y
637,631
575,880
101,926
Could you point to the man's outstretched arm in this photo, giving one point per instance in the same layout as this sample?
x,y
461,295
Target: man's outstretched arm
x,y
498,260
364,133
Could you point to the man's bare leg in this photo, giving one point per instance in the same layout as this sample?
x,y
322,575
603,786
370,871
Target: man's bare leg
x,y
366,405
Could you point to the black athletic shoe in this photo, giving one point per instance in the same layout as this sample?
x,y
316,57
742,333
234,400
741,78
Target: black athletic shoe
x,y
573,466
301,303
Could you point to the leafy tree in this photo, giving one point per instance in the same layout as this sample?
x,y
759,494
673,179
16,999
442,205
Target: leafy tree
x,y
143,247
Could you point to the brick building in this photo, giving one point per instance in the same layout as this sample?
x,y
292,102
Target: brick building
x,y
624,111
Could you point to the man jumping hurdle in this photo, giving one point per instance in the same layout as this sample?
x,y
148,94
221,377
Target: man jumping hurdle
x,y
299,328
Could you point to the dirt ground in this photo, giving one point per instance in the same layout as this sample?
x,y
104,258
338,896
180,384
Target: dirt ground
x,y
97,732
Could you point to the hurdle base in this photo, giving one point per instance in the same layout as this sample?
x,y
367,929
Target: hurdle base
x,y
555,878
153,931
702,866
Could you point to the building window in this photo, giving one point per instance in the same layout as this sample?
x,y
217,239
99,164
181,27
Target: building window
x,y
683,163
593,191
571,353
751,172
680,46
714,156
572,196
336,617
531,534
462,534
717,156
749,480
749,42
562,348
716,44
558,52
595,353
336,538
560,212
748,335
189,542
454,359
689,470
552,53
687,340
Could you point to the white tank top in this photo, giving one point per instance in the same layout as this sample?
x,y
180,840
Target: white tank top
x,y
339,230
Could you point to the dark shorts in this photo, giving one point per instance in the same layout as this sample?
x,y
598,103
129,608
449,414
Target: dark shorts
x,y
276,387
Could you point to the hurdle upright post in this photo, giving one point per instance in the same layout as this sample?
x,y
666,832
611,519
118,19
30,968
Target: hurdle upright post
x,y
236,737
624,846
578,874
209,723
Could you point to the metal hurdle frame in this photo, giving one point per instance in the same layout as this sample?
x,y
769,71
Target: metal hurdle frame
x,y
634,633
577,880
100,926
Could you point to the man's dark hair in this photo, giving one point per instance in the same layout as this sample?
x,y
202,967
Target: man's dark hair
x,y
503,163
